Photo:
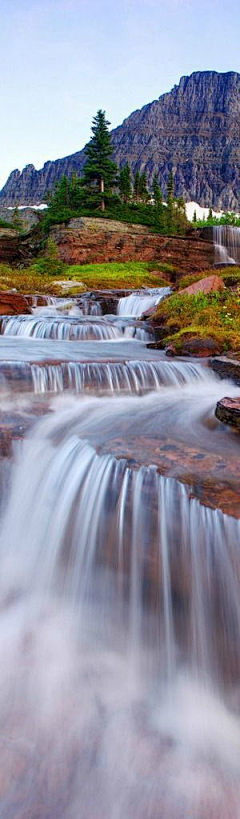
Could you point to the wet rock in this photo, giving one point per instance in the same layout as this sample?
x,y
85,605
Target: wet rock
x,y
209,284
12,303
200,347
228,411
226,368
171,350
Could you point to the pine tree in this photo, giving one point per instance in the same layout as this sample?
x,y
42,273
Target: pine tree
x,y
195,216
210,214
136,186
76,192
143,190
180,217
157,193
125,183
99,167
170,186
170,202
16,218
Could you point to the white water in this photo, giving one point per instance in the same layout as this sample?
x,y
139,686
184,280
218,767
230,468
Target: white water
x,y
70,328
113,648
115,377
227,244
119,592
137,303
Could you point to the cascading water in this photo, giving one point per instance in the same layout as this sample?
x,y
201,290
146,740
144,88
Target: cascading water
x,y
136,304
121,625
227,244
119,590
130,376
69,329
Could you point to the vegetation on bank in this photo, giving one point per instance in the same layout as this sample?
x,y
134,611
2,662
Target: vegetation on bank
x,y
231,219
214,315
44,275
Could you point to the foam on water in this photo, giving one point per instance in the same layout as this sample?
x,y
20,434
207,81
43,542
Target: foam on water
x,y
138,302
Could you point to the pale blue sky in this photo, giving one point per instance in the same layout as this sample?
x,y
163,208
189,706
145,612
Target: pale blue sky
x,y
61,60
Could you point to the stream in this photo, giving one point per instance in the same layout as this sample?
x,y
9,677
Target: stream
x,y
120,572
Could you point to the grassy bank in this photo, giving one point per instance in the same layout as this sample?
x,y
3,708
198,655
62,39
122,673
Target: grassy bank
x,y
214,315
43,276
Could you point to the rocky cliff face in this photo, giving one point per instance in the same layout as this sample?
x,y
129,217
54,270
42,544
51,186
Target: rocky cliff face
x,y
88,241
193,130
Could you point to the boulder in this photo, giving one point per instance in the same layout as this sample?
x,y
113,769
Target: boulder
x,y
226,368
12,303
200,347
210,284
228,411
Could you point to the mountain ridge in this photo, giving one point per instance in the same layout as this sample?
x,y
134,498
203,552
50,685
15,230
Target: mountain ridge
x,y
194,130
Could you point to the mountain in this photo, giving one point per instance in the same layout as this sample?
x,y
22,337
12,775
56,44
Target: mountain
x,y
193,130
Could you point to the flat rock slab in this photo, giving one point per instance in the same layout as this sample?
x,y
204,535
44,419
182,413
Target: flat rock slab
x,y
228,411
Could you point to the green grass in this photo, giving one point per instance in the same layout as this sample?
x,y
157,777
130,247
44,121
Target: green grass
x,y
213,315
118,275
9,226
114,275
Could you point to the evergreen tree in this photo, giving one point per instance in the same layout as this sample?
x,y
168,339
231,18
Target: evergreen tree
x,y
143,190
170,202
157,193
136,186
76,192
170,186
99,168
195,216
16,218
158,204
180,217
210,214
125,183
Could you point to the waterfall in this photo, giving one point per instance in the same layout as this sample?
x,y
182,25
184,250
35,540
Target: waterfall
x,y
133,377
86,510
139,302
227,244
119,589
69,328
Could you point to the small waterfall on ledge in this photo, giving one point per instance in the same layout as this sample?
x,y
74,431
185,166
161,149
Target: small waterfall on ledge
x,y
138,302
227,244
93,520
132,377
84,306
70,328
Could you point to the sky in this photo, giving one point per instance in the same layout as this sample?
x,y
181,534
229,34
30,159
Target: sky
x,y
61,60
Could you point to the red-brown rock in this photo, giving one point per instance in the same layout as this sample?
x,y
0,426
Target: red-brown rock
x,y
210,284
87,240
200,347
228,411
12,303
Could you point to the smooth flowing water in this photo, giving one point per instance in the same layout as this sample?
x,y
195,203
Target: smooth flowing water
x,y
227,244
119,590
138,302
